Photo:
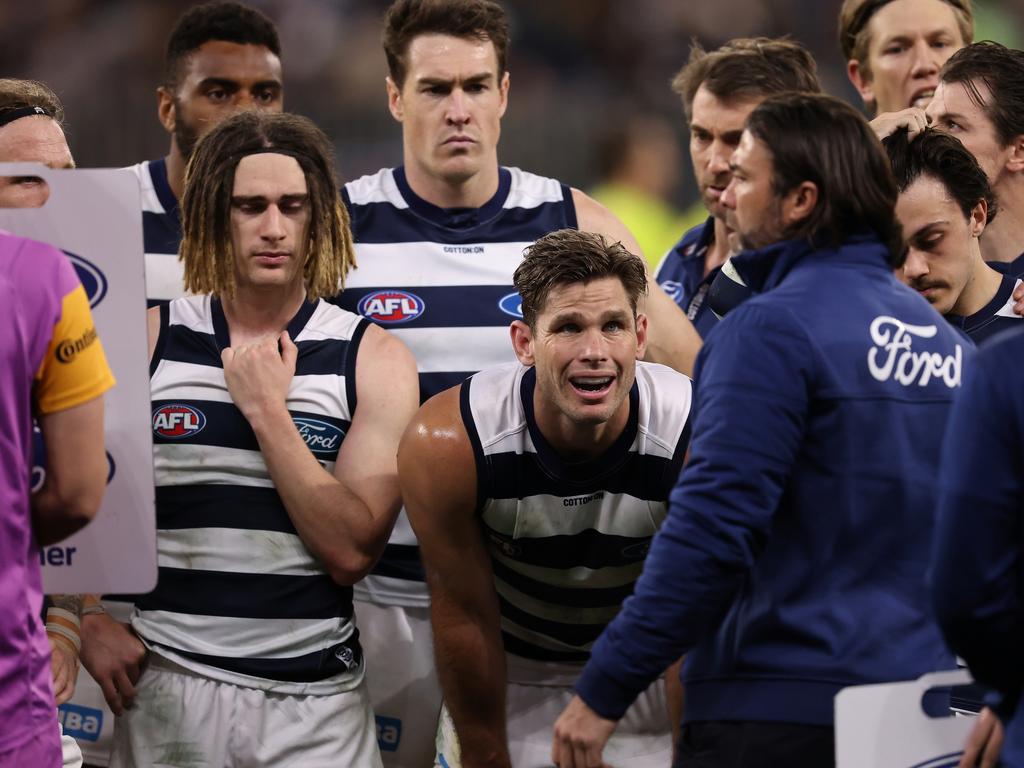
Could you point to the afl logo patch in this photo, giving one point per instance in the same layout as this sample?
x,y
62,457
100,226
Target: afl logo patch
x,y
391,306
512,305
93,280
176,421
320,436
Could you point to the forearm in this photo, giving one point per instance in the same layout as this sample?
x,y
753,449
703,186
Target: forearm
x,y
471,667
337,526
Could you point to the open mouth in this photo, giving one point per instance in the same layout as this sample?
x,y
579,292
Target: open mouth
x,y
922,99
591,385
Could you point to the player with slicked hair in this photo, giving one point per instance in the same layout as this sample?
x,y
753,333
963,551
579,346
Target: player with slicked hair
x,y
276,420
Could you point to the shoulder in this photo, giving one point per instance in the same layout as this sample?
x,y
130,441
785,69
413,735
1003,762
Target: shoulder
x,y
380,346
528,190
665,395
379,187
35,266
437,437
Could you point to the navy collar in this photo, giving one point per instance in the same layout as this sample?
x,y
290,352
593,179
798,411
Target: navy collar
x,y
158,173
1002,296
705,237
220,322
579,471
766,268
455,218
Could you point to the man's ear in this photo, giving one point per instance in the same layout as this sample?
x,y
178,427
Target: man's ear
x,y
641,336
165,109
861,79
799,203
1015,162
522,341
394,99
503,86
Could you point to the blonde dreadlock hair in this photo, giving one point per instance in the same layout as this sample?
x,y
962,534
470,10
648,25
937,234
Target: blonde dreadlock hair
x,y
206,248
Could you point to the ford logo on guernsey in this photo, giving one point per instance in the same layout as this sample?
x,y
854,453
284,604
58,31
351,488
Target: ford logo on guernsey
x,y
391,306
93,281
176,421
320,436
512,305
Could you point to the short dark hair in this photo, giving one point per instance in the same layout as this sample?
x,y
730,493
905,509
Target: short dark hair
x,y
1002,70
206,248
571,256
227,21
818,138
407,19
854,15
941,156
28,94
745,68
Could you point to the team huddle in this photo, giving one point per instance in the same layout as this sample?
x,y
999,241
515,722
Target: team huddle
x,y
445,476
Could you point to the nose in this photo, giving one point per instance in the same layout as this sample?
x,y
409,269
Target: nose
x,y
916,265
457,112
728,198
593,346
272,224
926,59
718,158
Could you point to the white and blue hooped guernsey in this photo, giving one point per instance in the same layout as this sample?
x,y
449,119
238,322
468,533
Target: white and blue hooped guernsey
x,y
567,541
239,597
441,281
161,233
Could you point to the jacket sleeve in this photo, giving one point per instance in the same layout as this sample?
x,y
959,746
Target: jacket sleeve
x,y
753,385
976,569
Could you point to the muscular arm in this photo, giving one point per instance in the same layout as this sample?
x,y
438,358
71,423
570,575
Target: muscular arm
x,y
438,477
344,519
671,338
76,471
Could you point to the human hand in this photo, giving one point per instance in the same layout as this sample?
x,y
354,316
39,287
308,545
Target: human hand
x,y
580,735
984,743
63,667
1018,299
913,119
258,375
114,656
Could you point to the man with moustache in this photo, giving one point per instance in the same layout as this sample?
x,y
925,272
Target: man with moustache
x,y
945,205
720,89
222,57
809,433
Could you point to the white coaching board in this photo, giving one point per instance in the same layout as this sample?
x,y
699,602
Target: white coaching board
x,y
95,217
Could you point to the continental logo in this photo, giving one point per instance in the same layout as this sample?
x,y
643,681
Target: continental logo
x,y
68,349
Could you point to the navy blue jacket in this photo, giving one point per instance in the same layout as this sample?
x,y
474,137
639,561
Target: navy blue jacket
x,y
681,276
792,562
978,572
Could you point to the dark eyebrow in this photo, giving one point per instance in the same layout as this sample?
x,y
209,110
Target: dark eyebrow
x,y
927,229
237,200
231,85
478,78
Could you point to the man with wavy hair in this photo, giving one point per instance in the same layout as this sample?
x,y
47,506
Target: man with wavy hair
x,y
275,491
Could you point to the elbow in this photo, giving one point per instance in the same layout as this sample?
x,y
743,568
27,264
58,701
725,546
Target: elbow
x,y
350,568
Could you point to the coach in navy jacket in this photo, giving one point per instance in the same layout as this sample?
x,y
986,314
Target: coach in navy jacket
x,y
978,574
793,560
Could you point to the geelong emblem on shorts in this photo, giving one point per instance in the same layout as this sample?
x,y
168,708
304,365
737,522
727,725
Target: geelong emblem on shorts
x,y
93,281
391,306
175,421
512,305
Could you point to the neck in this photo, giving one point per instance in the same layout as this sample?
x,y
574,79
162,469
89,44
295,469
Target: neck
x,y
255,312
176,171
1003,240
574,441
980,289
718,251
471,192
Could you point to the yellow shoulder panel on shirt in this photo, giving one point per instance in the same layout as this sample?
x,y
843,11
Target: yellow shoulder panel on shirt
x,y
74,369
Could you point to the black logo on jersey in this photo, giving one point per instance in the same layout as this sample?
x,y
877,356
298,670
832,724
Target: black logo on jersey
x,y
579,501
68,349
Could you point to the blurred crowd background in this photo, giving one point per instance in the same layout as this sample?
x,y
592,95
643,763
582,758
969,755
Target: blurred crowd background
x,y
585,73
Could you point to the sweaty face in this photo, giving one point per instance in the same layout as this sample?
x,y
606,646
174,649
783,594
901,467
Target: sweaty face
x,y
954,111
910,40
753,210
218,80
585,345
450,106
715,130
941,255
34,139
269,221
